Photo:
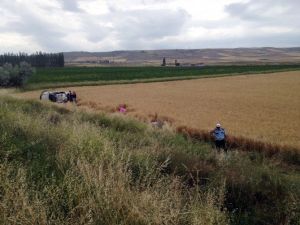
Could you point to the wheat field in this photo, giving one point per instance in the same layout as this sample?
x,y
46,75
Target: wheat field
x,y
264,107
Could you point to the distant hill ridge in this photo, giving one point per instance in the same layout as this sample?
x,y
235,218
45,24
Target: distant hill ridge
x,y
188,56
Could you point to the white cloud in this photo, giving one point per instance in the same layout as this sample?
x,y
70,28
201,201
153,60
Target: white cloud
x,y
16,42
104,25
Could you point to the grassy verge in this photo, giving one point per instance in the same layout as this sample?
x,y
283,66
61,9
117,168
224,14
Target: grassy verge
x,y
79,76
62,167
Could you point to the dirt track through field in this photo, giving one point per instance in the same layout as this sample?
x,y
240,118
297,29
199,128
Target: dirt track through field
x,y
263,107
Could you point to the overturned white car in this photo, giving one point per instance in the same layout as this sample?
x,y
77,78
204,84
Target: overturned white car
x,y
57,96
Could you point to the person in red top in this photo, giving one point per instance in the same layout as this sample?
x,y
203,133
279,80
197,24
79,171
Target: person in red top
x,y
122,108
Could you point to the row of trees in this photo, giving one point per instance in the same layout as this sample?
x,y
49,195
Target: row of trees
x,y
38,59
15,76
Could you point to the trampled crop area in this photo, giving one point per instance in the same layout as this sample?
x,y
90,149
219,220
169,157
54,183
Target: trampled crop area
x,y
262,107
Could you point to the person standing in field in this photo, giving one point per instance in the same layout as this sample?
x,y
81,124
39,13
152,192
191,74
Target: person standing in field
x,y
74,97
219,135
69,96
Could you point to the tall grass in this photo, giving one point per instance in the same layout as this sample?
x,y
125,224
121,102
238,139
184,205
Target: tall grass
x,y
62,167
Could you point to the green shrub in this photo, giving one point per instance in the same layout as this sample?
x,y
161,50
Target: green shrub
x,y
15,76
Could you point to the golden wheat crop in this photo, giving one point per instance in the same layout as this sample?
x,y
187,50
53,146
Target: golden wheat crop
x,y
261,107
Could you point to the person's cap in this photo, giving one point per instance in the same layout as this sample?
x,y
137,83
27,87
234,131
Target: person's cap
x,y
218,125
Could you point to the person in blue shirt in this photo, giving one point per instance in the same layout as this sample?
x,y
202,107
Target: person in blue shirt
x,y
219,135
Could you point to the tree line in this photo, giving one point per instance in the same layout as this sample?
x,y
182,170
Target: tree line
x,y
38,59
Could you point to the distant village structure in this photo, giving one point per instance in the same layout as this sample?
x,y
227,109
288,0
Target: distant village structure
x,y
164,62
104,61
177,63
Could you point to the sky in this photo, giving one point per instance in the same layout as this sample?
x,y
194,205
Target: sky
x,y
109,25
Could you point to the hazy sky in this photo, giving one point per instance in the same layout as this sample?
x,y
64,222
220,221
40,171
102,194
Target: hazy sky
x,y
106,25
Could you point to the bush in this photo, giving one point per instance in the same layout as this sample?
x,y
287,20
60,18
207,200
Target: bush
x,y
15,76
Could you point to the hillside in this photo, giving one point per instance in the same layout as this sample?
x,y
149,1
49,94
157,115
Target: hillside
x,y
188,56
64,167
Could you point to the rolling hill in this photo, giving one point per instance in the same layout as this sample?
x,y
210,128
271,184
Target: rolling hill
x,y
266,55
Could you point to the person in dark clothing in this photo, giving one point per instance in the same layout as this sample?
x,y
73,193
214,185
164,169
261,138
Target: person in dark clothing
x,y
74,97
219,135
69,96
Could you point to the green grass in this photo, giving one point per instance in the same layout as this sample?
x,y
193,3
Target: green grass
x,y
63,167
52,77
